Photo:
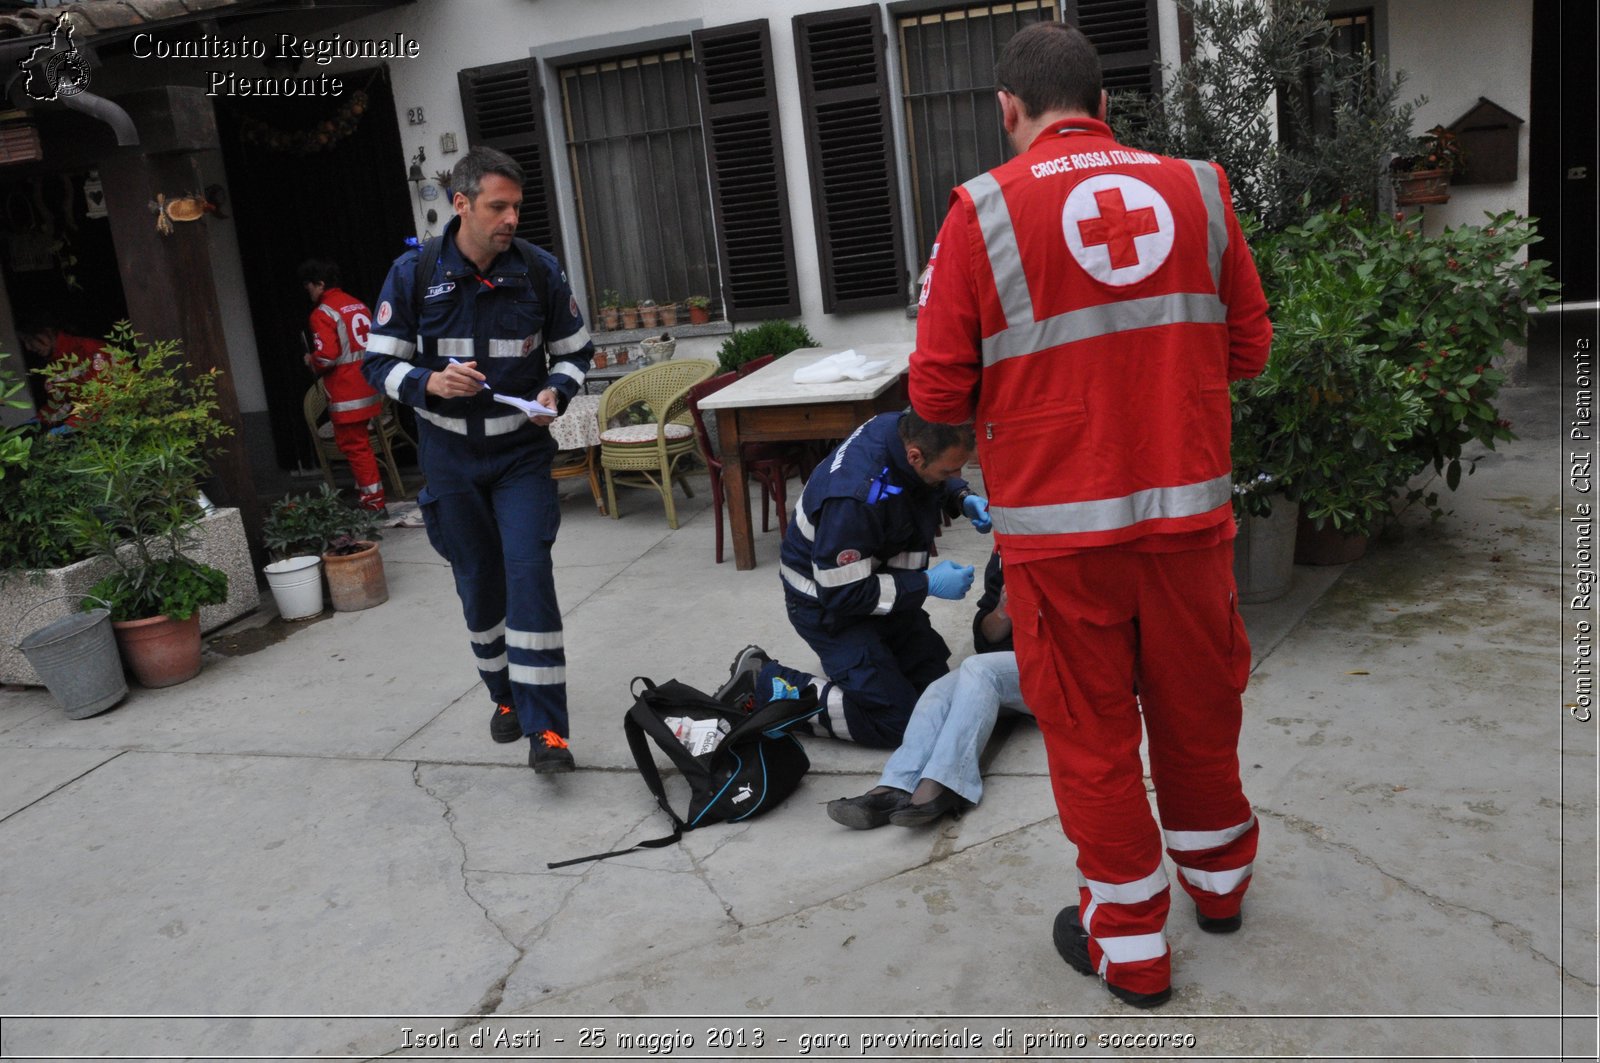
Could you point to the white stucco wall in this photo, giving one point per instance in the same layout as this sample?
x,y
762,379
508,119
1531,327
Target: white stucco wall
x,y
1454,51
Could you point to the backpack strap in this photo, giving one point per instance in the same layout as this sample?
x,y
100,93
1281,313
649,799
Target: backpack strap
x,y
639,743
427,260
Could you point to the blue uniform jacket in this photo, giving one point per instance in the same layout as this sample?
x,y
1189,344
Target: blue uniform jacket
x,y
858,545
508,320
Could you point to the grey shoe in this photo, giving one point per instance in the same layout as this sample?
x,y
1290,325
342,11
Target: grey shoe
x,y
742,675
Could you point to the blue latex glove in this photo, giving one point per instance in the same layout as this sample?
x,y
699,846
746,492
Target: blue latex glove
x,y
949,580
976,507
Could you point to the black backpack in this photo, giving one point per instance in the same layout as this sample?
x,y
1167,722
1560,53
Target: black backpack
x,y
753,768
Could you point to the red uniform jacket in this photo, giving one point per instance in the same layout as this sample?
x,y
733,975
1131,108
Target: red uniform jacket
x,y
339,327
88,359
1087,306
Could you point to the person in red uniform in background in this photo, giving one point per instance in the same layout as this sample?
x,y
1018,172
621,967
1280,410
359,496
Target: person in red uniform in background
x,y
1087,306
339,326
82,359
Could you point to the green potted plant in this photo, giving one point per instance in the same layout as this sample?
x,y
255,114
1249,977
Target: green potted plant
x,y
293,534
770,337
699,307
610,309
351,559
1424,175
144,436
1328,423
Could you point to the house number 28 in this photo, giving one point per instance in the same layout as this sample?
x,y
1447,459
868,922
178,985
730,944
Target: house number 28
x,y
414,116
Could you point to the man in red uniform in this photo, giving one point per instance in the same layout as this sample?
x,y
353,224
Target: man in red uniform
x,y
1087,306
80,359
339,327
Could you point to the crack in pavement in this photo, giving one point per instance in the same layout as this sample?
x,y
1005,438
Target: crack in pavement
x,y
57,789
1504,928
495,994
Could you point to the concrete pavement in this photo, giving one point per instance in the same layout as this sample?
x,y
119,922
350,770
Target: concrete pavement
x,y
313,847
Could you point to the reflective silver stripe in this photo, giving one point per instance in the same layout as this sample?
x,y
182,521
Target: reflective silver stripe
x,y
803,523
836,721
1141,889
393,346
1000,241
370,489
488,635
838,577
449,424
573,343
1218,882
539,677
798,581
348,359
454,347
505,348
913,560
492,664
499,426
534,640
392,380
1133,947
567,369
887,593
338,325
1190,308
1216,220
1112,514
355,404
1189,841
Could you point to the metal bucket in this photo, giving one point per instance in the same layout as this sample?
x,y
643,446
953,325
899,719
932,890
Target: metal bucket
x,y
77,658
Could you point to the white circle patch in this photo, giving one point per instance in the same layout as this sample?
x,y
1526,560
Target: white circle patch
x,y
1118,228
385,312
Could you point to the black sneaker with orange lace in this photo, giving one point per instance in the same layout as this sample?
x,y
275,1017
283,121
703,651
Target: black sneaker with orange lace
x,y
550,754
504,726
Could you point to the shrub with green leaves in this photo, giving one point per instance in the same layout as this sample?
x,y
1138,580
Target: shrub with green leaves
x,y
769,337
315,524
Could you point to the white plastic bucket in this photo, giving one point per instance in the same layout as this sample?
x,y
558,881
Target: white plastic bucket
x,y
296,586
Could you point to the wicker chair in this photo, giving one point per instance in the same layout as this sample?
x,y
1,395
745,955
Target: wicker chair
x,y
653,453
381,433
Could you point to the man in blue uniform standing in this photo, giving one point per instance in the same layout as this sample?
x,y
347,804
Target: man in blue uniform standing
x,y
476,316
854,565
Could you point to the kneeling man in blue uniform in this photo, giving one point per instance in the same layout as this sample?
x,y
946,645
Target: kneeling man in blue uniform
x,y
854,565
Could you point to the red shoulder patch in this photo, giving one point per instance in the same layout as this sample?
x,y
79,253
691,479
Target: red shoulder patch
x,y
847,557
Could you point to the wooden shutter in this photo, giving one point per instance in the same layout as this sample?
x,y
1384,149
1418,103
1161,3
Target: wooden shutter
x,y
504,108
744,158
854,184
1124,32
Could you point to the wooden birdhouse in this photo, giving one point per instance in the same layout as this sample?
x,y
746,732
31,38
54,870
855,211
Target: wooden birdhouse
x,y
1488,137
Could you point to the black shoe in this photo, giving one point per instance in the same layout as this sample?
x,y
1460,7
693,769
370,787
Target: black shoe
x,y
912,814
742,675
868,810
550,755
1072,942
504,726
1219,926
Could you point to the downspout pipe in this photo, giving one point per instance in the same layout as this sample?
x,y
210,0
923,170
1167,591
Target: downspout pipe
x,y
110,113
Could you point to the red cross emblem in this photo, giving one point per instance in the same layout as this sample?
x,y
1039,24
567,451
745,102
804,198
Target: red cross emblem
x,y
1117,226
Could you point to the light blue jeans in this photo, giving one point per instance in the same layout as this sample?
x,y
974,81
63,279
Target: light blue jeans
x,y
951,724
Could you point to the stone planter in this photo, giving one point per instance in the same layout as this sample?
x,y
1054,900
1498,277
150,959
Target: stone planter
x,y
221,543
1263,553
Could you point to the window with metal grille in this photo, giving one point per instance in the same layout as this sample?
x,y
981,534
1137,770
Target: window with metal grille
x,y
953,130
638,162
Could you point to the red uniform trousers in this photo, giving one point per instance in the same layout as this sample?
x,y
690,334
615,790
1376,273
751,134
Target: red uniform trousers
x,y
355,444
1091,628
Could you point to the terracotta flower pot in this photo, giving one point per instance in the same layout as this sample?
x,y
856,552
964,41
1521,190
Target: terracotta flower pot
x,y
356,581
160,651
630,317
1327,545
669,314
610,318
1421,186
650,316
699,315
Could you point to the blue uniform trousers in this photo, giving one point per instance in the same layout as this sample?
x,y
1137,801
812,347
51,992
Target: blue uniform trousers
x,y
493,514
874,671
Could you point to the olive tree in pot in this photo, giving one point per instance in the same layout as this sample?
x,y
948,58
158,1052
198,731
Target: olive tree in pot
x,y
145,429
